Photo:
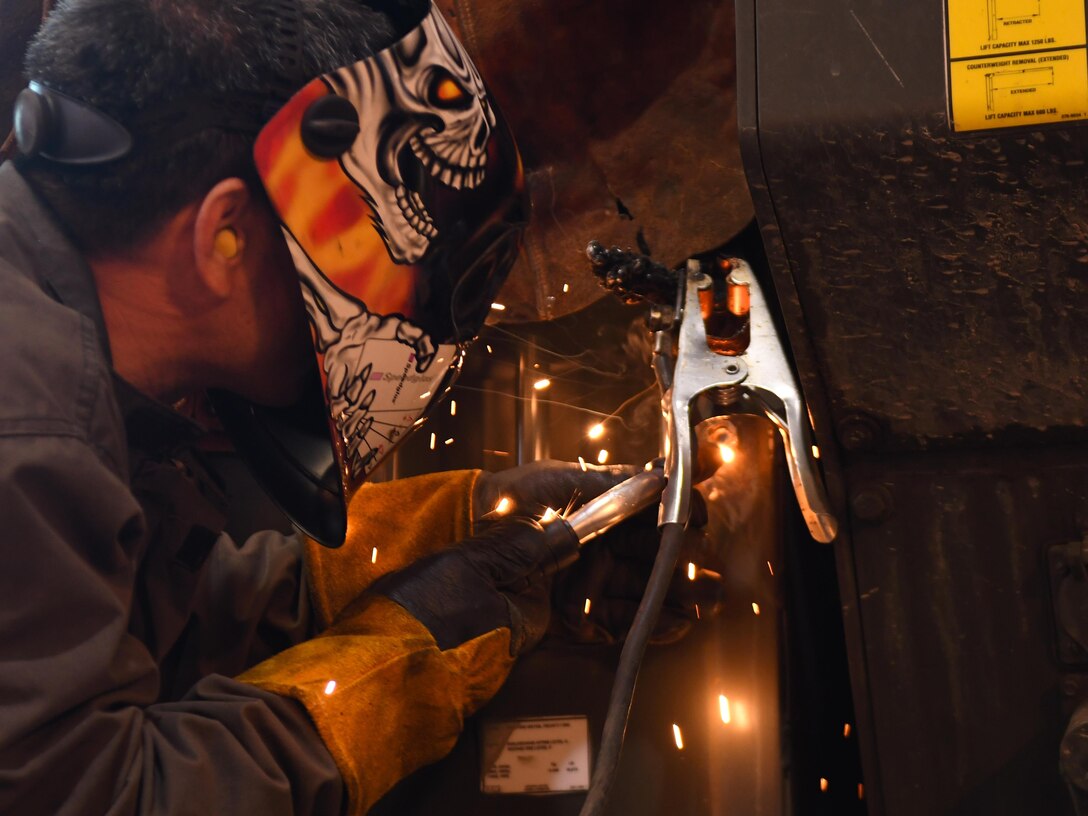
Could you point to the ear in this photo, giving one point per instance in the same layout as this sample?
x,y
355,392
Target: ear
x,y
219,235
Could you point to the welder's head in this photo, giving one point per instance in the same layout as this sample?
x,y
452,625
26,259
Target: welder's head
x,y
392,176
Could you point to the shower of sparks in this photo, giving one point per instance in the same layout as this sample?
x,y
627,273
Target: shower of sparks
x,y
676,735
330,687
453,407
602,457
374,556
727,453
823,784
691,570
432,441
425,394
815,452
770,569
549,515
542,383
566,288
582,464
596,431
846,731
589,604
449,441
498,307
723,707
755,607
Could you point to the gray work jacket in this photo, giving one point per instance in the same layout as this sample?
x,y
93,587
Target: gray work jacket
x,y
123,610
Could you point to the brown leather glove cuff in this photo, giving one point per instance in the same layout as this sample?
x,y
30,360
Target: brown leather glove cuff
x,y
390,525
384,698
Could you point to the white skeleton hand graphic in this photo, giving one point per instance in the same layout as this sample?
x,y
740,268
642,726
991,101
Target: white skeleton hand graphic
x,y
343,326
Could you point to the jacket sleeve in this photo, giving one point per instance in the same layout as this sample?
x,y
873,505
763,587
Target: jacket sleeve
x,y
81,731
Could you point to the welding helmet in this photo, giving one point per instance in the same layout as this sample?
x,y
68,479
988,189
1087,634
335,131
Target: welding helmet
x,y
400,193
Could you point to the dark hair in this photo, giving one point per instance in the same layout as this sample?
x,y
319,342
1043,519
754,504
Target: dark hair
x,y
133,58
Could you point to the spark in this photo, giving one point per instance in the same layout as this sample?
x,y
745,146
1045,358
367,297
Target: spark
x,y
497,452
727,453
440,360
596,431
755,608
589,604
448,441
691,570
861,791
330,687
770,569
503,505
815,452
823,784
697,615
846,731
566,288
488,347
602,456
425,394
453,407
582,464
549,515
542,383
676,735
374,556
432,441
498,307
723,707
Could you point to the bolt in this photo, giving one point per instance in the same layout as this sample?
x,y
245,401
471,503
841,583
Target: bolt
x,y
660,318
731,368
858,432
872,504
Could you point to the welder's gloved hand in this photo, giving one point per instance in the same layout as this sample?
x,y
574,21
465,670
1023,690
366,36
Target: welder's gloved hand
x,y
499,578
531,489
612,574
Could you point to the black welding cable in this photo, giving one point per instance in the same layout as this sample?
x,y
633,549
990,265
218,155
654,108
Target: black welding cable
x,y
623,687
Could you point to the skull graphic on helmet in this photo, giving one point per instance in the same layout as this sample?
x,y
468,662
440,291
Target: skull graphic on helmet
x,y
427,121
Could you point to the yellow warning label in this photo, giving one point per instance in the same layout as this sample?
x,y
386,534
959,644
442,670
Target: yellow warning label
x,y
1014,90
979,28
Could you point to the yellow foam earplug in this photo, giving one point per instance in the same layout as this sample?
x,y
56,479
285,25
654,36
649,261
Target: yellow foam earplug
x,y
226,243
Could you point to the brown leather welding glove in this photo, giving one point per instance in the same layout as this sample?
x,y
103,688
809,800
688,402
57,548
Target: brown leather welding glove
x,y
390,525
390,683
499,578
531,489
384,697
596,598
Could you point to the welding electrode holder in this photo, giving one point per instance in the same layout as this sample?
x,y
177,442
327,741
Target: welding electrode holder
x,y
759,381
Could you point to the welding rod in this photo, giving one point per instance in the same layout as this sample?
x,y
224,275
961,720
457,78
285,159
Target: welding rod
x,y
567,534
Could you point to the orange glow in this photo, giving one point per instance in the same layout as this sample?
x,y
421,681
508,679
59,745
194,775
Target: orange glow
x,y
596,432
823,784
503,505
727,453
846,731
723,708
449,91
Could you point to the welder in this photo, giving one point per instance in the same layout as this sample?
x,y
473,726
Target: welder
x,y
182,168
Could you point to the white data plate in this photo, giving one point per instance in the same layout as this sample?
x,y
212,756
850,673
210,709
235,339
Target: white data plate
x,y
540,755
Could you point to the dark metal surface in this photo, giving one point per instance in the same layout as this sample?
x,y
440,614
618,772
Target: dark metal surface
x,y
932,285
940,276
